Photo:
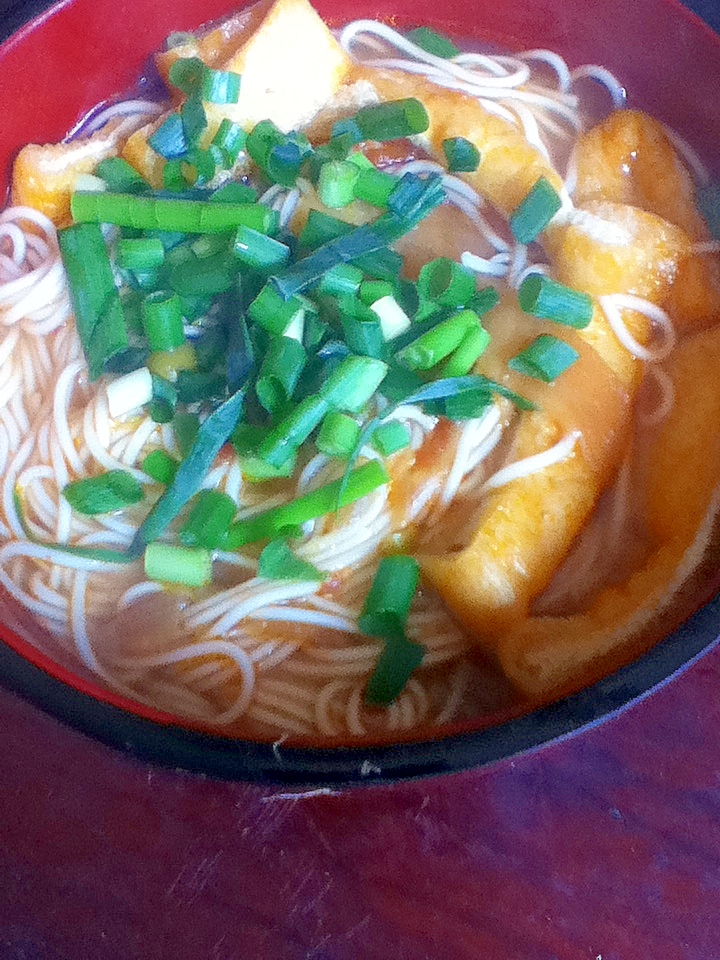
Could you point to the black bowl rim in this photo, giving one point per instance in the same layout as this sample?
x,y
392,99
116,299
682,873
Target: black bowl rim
x,y
275,764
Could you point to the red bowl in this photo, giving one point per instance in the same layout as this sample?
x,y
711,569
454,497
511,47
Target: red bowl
x,y
79,52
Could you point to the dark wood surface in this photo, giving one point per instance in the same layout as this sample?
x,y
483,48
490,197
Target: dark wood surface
x,y
603,847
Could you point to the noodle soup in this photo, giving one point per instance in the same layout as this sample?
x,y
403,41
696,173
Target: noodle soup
x,y
500,476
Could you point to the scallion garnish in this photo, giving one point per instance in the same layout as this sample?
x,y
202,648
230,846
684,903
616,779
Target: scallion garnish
x,y
390,437
169,140
384,615
278,562
392,119
336,183
326,499
211,435
544,359
163,213
544,297
104,493
461,155
433,42
338,435
207,523
163,320
185,566
219,86
280,372
445,283
159,466
535,211
439,342
96,301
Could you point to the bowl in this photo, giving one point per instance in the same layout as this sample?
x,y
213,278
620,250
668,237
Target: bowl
x,y
73,55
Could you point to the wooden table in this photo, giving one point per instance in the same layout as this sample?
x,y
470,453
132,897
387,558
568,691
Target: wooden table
x,y
603,847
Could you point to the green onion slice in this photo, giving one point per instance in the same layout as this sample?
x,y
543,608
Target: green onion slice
x,y
535,211
544,359
544,297
105,493
211,436
208,521
98,309
326,499
461,155
278,562
186,566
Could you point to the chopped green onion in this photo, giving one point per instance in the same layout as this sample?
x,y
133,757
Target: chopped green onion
x,y
326,499
230,138
280,372
392,119
472,346
105,493
362,240
445,283
141,253
352,383
208,520
162,317
336,184
374,186
387,605
186,74
211,436
219,86
544,297
163,213
278,562
194,121
535,211
96,301
394,668
120,176
439,342
258,251
342,279
468,406
390,437
338,435
204,276
186,427
273,313
286,437
372,290
393,319
433,42
461,155
235,192
186,566
362,328
169,140
159,466
320,228
545,359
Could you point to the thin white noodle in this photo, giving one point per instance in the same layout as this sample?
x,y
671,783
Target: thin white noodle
x,y
532,464
612,305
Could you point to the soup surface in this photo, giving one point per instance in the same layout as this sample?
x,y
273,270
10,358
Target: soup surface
x,y
359,386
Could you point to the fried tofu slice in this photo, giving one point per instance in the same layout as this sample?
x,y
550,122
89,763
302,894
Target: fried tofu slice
x,y
44,176
527,527
630,159
549,656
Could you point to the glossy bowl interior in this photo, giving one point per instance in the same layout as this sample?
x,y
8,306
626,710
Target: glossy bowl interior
x,y
78,52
